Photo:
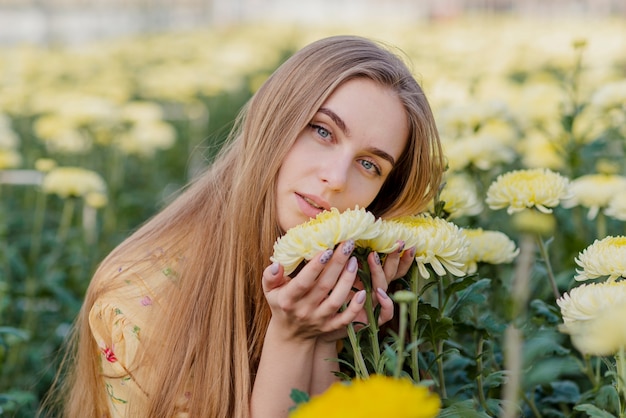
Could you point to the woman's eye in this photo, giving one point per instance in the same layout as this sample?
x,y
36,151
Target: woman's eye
x,y
370,166
322,132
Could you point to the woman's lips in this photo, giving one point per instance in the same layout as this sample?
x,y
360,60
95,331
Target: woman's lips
x,y
306,205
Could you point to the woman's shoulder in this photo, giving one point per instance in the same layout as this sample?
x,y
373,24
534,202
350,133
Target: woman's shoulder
x,y
134,284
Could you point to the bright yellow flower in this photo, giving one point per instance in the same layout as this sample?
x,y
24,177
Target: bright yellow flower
x,y
521,189
72,182
493,247
605,257
328,229
591,315
379,396
595,191
437,242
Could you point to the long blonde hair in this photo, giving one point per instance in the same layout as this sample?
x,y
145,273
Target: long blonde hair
x,y
225,224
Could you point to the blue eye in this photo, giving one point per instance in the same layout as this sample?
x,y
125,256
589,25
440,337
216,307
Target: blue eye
x,y
322,132
370,166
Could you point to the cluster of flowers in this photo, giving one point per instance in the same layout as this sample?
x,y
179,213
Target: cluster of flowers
x,y
438,243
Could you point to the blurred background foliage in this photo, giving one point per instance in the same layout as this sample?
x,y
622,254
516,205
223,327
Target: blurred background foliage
x,y
136,117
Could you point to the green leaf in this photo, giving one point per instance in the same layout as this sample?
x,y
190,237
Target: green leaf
x,y
299,396
465,409
593,411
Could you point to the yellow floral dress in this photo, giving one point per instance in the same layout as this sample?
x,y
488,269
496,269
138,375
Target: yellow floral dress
x,y
122,318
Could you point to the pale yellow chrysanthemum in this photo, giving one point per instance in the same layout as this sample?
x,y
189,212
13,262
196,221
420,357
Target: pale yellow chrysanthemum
x,y
610,95
605,257
493,247
540,150
460,196
9,159
590,313
534,222
328,229
595,191
378,396
387,239
96,200
617,207
437,242
146,137
480,151
521,189
45,164
72,182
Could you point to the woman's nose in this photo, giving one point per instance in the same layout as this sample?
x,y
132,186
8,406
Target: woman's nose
x,y
334,172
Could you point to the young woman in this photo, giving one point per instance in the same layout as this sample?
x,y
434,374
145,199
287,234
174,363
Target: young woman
x,y
187,318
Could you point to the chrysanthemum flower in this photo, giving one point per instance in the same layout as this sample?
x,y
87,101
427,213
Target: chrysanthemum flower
x,y
387,238
617,207
493,247
10,159
460,196
378,396
328,229
521,189
72,182
595,191
590,313
605,257
437,242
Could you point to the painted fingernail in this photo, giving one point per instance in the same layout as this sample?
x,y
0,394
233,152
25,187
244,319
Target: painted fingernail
x,y
382,293
400,245
326,256
360,296
352,264
348,246
377,258
412,252
274,268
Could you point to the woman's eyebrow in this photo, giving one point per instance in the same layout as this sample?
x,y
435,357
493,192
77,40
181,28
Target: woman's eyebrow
x,y
342,125
335,117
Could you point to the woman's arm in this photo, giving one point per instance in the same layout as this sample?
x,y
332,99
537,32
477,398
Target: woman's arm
x,y
303,308
324,366
286,364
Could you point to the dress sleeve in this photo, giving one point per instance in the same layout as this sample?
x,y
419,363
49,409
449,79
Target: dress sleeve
x,y
118,340
121,320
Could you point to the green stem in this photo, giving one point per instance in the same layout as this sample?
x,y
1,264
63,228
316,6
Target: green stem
x,y
38,221
621,380
401,337
359,363
600,225
479,373
544,255
372,328
66,219
415,284
439,345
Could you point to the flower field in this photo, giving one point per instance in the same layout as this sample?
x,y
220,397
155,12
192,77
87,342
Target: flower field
x,y
520,262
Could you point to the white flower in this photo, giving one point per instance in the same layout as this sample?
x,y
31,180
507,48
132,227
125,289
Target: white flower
x,y
328,229
617,207
595,191
606,257
592,316
521,189
493,247
146,137
437,242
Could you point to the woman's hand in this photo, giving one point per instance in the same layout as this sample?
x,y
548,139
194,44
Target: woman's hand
x,y
308,305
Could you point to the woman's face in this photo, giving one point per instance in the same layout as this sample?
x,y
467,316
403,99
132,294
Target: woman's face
x,y
342,158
